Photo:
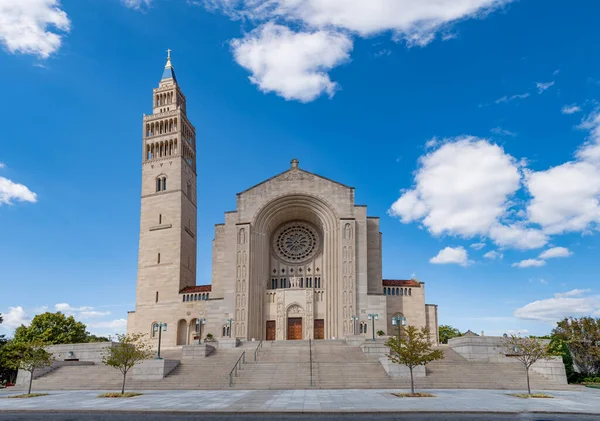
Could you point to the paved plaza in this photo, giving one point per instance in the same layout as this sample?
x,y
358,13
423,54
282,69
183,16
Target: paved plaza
x,y
577,400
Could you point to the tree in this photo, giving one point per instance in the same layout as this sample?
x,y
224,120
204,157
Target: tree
x,y
28,357
527,351
448,332
582,337
127,352
52,328
412,348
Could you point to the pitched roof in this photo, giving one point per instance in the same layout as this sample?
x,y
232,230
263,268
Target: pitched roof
x,y
400,283
197,288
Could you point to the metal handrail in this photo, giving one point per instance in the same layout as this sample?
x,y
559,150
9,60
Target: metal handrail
x,y
310,361
238,364
257,348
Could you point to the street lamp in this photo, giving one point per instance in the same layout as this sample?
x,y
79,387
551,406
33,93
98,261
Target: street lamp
x,y
354,319
230,321
160,329
399,321
372,318
199,322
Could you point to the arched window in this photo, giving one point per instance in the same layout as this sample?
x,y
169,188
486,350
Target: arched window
x,y
224,330
164,183
183,299
158,184
410,291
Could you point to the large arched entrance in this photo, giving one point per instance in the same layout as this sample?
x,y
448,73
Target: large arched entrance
x,y
295,321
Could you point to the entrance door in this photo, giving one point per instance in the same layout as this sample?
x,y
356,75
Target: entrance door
x,y
270,330
294,328
319,329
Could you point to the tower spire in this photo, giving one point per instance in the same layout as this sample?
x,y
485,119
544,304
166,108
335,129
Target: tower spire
x,y
169,72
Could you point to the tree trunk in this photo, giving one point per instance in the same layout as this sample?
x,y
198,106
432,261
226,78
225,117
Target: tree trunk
x,y
528,386
123,387
30,381
412,381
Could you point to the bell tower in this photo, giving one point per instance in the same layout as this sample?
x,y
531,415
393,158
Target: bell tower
x,y
167,247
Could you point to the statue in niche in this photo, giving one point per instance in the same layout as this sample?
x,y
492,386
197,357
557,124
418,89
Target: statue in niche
x,y
243,285
242,236
348,231
239,257
237,300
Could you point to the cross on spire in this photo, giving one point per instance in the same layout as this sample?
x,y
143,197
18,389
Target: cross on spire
x,y
169,54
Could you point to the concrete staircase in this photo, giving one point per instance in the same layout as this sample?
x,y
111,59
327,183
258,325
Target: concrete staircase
x,y
286,365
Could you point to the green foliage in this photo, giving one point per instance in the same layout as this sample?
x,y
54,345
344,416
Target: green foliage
x,y
527,351
209,337
27,395
531,395
28,356
94,338
591,380
380,333
582,337
7,374
412,348
52,329
127,352
447,332
120,395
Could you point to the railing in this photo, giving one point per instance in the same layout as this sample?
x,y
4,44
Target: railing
x,y
257,348
310,361
238,365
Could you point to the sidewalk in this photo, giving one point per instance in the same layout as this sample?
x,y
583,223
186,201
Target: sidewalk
x,y
582,401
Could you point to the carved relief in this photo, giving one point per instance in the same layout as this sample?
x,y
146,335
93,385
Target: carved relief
x,y
294,175
295,310
242,236
309,324
280,317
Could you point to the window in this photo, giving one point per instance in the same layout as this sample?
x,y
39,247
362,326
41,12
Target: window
x,y
159,218
156,300
188,189
158,259
410,291
158,184
161,183
164,183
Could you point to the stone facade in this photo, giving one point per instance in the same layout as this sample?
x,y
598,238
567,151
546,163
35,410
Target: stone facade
x,y
297,259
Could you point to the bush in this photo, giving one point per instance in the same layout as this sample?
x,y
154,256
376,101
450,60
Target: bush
x,y
209,337
380,333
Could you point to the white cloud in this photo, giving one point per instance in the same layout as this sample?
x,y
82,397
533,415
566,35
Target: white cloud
x,y
493,255
555,252
543,86
478,246
569,304
570,109
505,99
136,4
32,26
517,236
109,327
572,293
457,255
2,165
292,64
11,192
529,263
337,21
462,188
503,132
80,313
15,317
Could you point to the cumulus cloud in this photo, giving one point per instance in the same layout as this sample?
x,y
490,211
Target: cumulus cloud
x,y
569,304
461,188
543,86
292,64
83,312
15,317
32,26
570,109
456,255
415,23
517,236
11,192
136,4
529,263
493,255
555,252
110,326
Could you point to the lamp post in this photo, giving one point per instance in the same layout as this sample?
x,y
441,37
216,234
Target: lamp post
x,y
354,319
199,322
160,328
230,321
399,321
372,318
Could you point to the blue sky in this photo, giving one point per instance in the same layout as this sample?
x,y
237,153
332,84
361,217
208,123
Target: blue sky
x,y
470,127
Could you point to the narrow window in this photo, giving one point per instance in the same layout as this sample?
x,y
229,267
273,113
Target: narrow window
x,y
158,184
156,299
159,218
158,259
183,299
189,190
410,291
164,186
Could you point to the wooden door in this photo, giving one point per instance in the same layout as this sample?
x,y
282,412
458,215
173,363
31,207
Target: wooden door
x,y
294,328
270,330
319,329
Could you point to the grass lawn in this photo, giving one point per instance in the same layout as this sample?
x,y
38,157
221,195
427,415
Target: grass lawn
x,y
27,395
120,395
533,395
414,395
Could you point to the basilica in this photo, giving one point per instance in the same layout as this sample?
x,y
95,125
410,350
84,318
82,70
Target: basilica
x,y
297,258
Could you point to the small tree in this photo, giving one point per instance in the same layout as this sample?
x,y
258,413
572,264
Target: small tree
x,y
412,348
448,332
28,356
130,350
527,351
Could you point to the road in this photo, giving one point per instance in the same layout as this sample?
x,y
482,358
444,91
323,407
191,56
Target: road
x,y
80,416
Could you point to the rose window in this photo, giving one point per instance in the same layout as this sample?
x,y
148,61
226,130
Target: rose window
x,y
296,242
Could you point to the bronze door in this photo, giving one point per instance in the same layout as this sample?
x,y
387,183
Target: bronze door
x,y
270,330
294,328
319,329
